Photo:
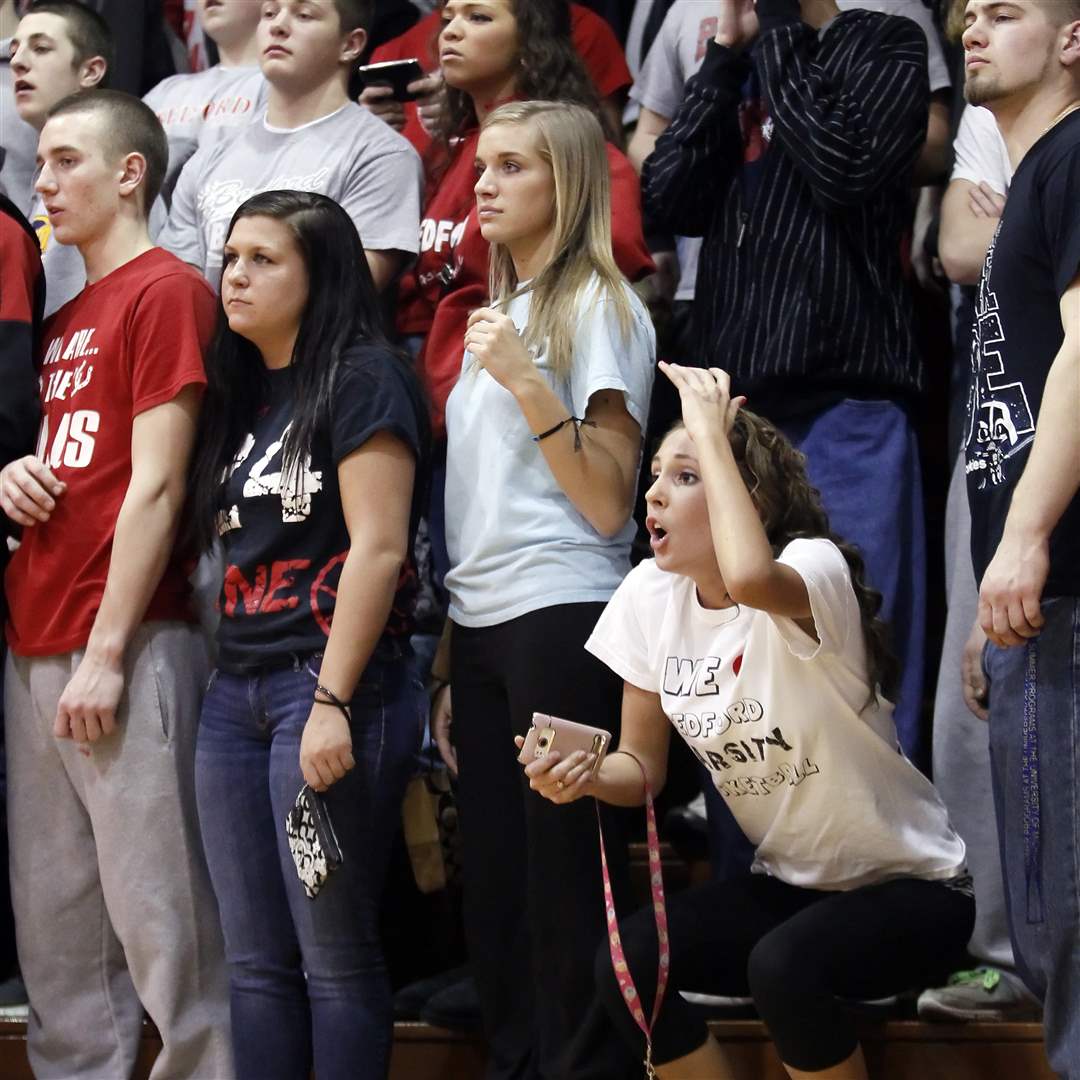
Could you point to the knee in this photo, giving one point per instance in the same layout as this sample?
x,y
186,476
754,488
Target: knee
x,y
274,976
775,972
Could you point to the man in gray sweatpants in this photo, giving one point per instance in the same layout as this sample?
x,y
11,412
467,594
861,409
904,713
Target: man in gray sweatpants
x,y
113,906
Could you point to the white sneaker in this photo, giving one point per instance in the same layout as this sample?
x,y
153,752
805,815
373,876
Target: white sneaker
x,y
983,994
715,1001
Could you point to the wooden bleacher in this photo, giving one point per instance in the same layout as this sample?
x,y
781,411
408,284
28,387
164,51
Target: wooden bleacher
x,y
896,1050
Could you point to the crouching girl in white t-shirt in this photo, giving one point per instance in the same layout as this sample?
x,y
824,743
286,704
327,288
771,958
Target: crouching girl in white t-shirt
x,y
752,633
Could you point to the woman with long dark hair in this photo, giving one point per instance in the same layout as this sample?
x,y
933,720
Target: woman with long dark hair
x,y
308,467
753,634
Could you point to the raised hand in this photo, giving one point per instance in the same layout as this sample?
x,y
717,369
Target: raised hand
x,y
708,410
497,347
736,23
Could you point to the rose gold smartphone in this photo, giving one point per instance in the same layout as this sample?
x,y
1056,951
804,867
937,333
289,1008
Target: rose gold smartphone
x,y
552,733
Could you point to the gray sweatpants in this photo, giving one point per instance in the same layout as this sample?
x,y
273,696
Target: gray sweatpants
x,y
113,905
962,741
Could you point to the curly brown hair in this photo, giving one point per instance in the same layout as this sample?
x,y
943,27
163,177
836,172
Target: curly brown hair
x,y
790,509
549,69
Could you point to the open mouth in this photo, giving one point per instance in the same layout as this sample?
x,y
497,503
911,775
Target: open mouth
x,y
22,86
657,534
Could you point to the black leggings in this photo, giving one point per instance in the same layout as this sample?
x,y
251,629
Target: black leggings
x,y
799,952
534,905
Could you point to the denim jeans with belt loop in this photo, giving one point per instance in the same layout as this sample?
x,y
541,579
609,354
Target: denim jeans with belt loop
x,y
1035,761
308,982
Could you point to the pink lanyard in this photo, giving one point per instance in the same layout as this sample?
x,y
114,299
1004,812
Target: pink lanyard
x,y
618,957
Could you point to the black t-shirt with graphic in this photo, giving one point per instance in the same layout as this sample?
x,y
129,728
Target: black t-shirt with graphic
x,y
285,537
1033,258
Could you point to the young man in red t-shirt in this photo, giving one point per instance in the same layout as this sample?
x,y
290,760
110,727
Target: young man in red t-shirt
x,y
113,905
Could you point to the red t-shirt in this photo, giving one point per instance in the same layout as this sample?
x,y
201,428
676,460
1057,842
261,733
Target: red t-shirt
x,y
594,41
450,277
20,269
128,342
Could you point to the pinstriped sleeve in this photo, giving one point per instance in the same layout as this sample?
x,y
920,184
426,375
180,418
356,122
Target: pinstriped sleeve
x,y
848,137
694,161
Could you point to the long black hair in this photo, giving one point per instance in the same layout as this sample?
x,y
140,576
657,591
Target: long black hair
x,y
548,69
342,309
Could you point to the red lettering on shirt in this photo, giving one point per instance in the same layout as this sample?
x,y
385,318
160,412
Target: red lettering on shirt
x,y
238,590
320,587
281,578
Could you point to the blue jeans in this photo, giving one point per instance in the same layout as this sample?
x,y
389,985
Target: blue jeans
x,y
863,457
307,978
1035,763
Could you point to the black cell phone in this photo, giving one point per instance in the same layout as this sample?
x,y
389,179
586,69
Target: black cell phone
x,y
397,74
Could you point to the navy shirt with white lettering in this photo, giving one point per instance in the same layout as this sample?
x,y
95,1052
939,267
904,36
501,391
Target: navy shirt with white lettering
x,y
1034,257
285,536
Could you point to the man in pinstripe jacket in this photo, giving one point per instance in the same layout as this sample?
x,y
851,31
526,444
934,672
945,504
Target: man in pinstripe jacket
x,y
792,156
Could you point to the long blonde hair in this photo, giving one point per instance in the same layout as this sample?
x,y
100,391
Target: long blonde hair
x,y
570,140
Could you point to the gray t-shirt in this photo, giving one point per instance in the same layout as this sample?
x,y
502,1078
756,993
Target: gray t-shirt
x,y
18,140
679,49
65,273
200,109
350,156
516,542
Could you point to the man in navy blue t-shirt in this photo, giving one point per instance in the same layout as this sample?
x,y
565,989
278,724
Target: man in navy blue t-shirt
x,y
1022,440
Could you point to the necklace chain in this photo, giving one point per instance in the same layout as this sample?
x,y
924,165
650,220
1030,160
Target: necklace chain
x,y
1060,116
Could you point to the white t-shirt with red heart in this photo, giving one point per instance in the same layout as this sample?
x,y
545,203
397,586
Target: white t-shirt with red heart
x,y
813,775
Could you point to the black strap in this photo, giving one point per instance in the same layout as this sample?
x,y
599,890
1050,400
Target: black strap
x,y
577,421
333,700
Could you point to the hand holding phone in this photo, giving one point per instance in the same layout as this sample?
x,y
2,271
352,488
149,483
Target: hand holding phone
x,y
396,74
560,756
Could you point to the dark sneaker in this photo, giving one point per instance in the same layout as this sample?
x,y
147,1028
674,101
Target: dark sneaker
x,y
983,994
457,1007
13,999
409,1000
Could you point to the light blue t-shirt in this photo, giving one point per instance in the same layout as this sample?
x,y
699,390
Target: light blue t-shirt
x,y
516,542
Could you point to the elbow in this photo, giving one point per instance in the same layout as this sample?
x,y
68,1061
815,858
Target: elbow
x,y
162,494
961,266
609,521
749,587
384,561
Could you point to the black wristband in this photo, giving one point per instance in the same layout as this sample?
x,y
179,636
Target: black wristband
x,y
333,700
577,421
